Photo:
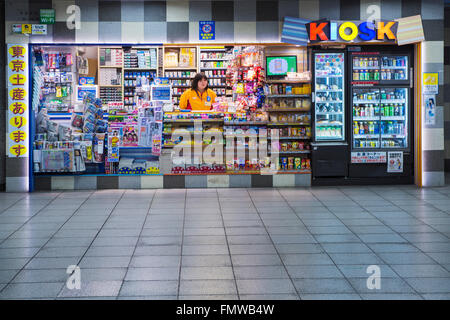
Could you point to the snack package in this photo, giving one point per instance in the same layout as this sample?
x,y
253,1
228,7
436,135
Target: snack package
x,y
290,163
298,163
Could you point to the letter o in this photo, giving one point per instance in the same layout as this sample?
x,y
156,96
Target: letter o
x,y
352,35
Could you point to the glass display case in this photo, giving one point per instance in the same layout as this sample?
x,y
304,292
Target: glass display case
x,y
329,96
380,118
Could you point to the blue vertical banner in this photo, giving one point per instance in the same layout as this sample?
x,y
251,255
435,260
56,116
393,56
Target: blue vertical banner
x,y
207,30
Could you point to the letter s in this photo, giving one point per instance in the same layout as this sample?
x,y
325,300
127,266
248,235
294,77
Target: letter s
x,y
74,19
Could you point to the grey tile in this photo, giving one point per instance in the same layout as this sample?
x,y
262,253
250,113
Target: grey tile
x,y
103,274
312,272
360,271
7,275
278,296
393,296
155,11
332,238
405,258
355,258
306,259
201,287
289,239
206,261
323,286
11,253
204,249
146,274
52,263
105,262
299,248
31,290
256,260
155,261
436,296
149,288
110,251
207,273
93,289
273,286
48,275
388,285
260,272
163,250
332,296
114,241
420,270
252,249
430,285
382,238
392,247
346,248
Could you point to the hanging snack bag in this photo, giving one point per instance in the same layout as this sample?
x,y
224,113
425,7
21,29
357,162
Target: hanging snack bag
x,y
52,129
64,133
77,121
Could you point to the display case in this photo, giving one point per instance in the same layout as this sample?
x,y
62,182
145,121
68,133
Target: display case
x,y
329,96
380,118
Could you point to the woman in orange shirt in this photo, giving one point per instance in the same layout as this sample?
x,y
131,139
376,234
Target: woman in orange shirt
x,y
199,96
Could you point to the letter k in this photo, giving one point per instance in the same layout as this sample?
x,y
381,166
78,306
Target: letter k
x,y
315,31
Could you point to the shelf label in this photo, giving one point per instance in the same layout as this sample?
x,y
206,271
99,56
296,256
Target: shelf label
x,y
368,157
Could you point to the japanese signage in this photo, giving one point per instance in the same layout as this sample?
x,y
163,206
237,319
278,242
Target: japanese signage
x,y
47,16
113,144
82,90
18,133
207,30
161,93
344,31
26,28
395,161
430,83
368,157
17,28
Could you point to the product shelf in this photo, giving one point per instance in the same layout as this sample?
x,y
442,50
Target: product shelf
x,y
288,96
289,124
287,110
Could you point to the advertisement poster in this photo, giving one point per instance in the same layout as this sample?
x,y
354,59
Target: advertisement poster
x,y
129,136
395,161
82,90
430,83
429,101
207,30
113,144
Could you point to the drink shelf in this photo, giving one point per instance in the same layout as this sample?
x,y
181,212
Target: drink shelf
x,y
366,68
291,152
393,101
374,118
339,90
366,136
394,118
366,101
329,113
328,138
289,124
328,124
329,76
328,101
394,136
394,68
290,138
287,96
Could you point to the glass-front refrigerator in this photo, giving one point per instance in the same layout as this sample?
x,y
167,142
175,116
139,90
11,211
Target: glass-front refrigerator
x,y
379,101
329,96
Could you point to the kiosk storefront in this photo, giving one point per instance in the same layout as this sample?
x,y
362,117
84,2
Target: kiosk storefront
x,y
344,108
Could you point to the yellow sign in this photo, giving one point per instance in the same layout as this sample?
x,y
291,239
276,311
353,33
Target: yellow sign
x,y
17,51
17,65
18,108
17,79
17,94
430,83
430,79
26,28
18,150
18,136
18,121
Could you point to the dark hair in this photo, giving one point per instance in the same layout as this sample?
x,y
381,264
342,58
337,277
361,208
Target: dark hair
x,y
199,76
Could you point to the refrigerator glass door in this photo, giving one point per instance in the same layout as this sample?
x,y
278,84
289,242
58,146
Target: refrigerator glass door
x,y
365,68
366,118
329,96
394,67
394,118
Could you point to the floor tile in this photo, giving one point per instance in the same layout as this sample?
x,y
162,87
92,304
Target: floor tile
x,y
329,286
149,288
31,290
196,287
206,273
147,274
92,289
256,286
260,272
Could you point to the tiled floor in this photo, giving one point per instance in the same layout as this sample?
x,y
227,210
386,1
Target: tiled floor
x,y
310,243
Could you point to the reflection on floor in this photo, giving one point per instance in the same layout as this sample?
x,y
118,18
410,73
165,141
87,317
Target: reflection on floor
x,y
309,243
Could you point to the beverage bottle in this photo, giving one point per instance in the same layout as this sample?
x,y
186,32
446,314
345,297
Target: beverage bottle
x,y
370,127
355,127
394,62
362,112
355,62
382,127
375,129
361,128
366,128
396,111
355,75
391,110
372,111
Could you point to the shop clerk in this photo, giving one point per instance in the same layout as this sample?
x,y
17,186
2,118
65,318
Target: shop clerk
x,y
199,96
